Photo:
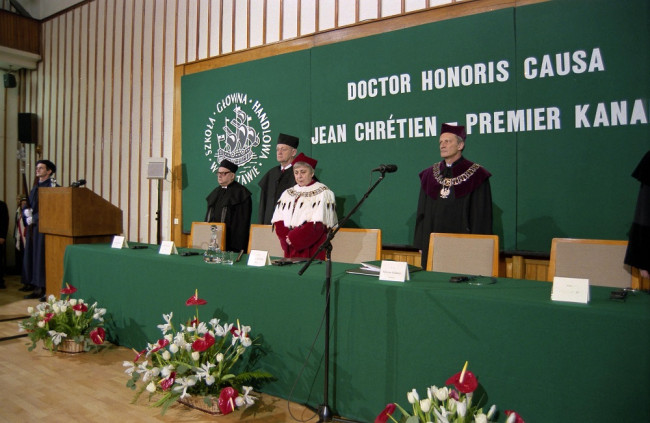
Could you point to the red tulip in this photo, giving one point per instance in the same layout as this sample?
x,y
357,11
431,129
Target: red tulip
x,y
167,383
98,335
383,416
227,400
69,289
518,418
48,317
468,384
202,344
195,300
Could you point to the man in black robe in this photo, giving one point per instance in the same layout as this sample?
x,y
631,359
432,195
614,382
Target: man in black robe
x,y
638,247
34,258
277,179
231,204
455,195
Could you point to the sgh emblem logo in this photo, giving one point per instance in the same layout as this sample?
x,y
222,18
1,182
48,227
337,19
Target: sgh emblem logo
x,y
238,130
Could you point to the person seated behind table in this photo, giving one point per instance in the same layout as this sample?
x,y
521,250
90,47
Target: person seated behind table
x,y
231,204
304,212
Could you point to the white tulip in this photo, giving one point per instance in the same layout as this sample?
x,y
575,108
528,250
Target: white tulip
x,y
425,405
30,310
442,394
173,348
219,358
461,408
491,412
151,387
413,396
73,302
41,324
480,418
512,418
196,355
166,355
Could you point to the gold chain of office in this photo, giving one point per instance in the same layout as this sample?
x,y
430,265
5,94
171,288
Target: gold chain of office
x,y
448,182
294,193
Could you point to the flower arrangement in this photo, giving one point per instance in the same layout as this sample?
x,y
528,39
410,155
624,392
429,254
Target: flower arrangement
x,y
196,361
58,320
450,404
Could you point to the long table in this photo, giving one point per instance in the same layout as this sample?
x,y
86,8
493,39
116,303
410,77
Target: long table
x,y
549,361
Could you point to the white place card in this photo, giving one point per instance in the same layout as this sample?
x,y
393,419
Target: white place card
x,y
259,258
119,242
396,271
167,248
573,290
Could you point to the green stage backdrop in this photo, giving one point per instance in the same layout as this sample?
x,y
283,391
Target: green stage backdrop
x,y
554,96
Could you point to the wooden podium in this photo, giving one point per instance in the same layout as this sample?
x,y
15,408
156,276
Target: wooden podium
x,y
72,216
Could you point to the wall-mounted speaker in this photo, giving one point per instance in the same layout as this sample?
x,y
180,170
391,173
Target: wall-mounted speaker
x,y
28,128
156,168
10,80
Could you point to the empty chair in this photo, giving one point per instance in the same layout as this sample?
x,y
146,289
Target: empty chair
x,y
263,238
202,233
469,254
599,260
355,245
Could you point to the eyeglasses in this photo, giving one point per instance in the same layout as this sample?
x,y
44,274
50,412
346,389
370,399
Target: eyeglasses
x,y
223,173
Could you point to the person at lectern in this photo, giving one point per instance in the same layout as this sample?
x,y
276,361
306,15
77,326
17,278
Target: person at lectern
x,y
34,258
278,178
231,204
455,194
304,212
638,247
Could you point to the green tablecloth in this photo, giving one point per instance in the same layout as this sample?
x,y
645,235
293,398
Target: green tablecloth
x,y
549,361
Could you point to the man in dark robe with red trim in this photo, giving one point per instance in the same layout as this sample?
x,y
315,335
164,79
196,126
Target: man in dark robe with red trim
x,y
278,178
455,195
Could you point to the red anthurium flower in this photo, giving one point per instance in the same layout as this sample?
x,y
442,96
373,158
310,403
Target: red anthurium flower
x,y
383,416
194,323
518,418
202,344
98,335
138,355
69,289
227,400
48,317
167,383
80,307
195,300
468,384
162,343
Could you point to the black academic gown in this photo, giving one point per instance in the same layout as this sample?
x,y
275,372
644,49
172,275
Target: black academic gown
x,y
467,210
272,186
232,206
34,258
638,247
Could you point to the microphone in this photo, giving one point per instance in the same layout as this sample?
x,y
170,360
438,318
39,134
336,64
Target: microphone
x,y
79,183
389,168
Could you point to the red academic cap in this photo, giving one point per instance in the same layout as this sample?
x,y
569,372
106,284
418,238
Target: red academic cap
x,y
302,158
456,130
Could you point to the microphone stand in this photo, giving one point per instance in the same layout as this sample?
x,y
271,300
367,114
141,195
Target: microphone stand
x,y
324,411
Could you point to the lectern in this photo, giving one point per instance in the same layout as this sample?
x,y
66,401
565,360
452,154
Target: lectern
x,y
72,216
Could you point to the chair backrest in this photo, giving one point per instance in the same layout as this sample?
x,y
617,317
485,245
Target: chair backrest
x,y
468,254
599,260
262,237
202,232
355,245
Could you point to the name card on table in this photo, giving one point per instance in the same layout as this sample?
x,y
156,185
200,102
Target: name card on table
x,y
167,248
119,242
259,258
396,271
573,290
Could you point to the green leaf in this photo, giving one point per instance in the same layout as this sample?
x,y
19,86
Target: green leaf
x,y
413,419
